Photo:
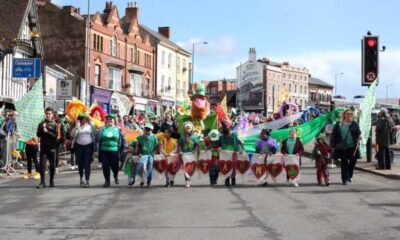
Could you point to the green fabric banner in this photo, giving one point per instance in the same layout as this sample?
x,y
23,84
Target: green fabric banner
x,y
30,111
306,132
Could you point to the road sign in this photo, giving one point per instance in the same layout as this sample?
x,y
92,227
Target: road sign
x,y
64,89
26,67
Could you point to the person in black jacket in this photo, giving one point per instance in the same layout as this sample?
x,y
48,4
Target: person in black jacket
x,y
345,136
47,132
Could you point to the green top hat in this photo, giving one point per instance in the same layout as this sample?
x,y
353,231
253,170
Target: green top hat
x,y
200,91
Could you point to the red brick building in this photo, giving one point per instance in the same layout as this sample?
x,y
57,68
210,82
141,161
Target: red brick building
x,y
121,56
217,89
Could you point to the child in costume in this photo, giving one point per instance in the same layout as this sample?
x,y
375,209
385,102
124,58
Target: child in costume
x,y
266,145
147,145
292,145
321,155
211,142
230,141
169,146
188,142
130,163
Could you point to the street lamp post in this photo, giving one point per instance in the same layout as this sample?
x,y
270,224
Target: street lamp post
x,y
336,82
191,78
387,87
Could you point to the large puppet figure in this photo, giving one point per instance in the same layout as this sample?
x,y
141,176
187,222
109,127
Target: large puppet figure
x,y
200,107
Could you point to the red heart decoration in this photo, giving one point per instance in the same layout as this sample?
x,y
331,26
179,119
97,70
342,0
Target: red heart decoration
x,y
258,169
225,166
190,167
292,171
274,169
205,165
160,165
242,166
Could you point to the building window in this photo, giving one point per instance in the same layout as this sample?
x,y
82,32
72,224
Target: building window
x,y
284,75
184,90
147,62
97,74
295,76
135,57
114,79
290,87
169,60
301,89
162,83
162,58
213,90
178,84
184,68
295,88
178,65
147,90
169,83
114,43
118,50
290,76
97,43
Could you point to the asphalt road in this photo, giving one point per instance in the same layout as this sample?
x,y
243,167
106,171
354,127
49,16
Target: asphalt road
x,y
368,208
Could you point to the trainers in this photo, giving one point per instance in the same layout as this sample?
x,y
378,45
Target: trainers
x,y
265,184
107,184
41,185
327,183
295,184
187,185
27,175
57,170
131,183
36,176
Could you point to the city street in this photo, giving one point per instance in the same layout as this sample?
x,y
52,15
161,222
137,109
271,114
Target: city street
x,y
368,208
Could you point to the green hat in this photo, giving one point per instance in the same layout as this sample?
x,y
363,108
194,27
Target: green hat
x,y
133,143
111,115
149,125
82,116
200,91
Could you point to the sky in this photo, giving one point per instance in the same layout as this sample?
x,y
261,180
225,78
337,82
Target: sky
x,y
321,35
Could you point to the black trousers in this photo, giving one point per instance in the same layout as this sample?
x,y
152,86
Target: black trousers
x,y
109,160
348,163
83,155
31,156
47,154
384,158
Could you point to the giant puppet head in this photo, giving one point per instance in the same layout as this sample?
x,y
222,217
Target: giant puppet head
x,y
200,105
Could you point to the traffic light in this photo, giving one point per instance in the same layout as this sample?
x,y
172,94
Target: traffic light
x,y
370,60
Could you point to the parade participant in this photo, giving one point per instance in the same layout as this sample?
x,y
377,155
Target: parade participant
x,y
68,145
156,126
47,132
384,138
84,143
147,146
126,122
345,136
168,146
230,141
60,138
169,123
292,145
188,142
112,143
130,163
266,145
212,142
321,155
31,151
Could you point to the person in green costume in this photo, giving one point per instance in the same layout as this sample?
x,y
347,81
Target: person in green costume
x,y
230,141
112,144
188,142
147,146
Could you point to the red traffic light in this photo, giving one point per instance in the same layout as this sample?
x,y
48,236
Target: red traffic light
x,y
371,42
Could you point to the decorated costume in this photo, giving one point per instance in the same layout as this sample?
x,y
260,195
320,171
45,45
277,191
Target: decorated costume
x,y
320,154
200,108
147,145
211,142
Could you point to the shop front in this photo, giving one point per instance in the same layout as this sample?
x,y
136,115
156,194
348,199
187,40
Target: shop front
x,y
102,96
140,105
167,105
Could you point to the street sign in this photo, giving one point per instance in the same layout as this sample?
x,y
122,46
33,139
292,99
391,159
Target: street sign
x,y
64,89
26,67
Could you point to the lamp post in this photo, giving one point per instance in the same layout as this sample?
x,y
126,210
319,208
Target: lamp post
x,y
336,82
88,32
191,79
387,87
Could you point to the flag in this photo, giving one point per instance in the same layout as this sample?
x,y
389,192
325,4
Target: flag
x,y
365,119
30,111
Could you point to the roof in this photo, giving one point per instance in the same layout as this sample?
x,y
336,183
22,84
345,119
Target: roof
x,y
12,13
318,81
162,38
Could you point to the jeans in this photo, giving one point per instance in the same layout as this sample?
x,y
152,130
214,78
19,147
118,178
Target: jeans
x,y
83,155
384,158
31,155
349,161
109,160
45,154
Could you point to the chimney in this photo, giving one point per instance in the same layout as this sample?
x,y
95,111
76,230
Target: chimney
x,y
164,31
131,11
108,7
72,9
252,55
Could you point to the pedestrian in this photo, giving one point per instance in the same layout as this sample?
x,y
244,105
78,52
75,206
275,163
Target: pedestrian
x,y
188,142
68,145
169,123
321,155
266,145
345,136
292,146
156,126
230,141
168,146
47,132
212,143
112,144
147,146
60,138
130,163
84,142
126,122
384,138
31,151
